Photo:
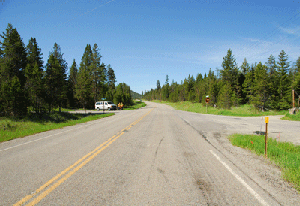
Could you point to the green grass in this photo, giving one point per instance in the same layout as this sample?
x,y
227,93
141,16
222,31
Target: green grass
x,y
293,117
242,111
137,105
11,128
283,154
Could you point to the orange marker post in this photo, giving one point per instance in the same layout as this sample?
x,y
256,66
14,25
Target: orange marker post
x,y
266,136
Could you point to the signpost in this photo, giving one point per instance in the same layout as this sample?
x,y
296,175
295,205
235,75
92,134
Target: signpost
x,y
103,103
207,99
266,136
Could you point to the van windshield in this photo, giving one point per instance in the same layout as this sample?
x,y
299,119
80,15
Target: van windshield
x,y
109,102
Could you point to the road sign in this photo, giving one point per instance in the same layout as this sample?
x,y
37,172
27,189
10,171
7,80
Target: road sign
x,y
207,99
266,119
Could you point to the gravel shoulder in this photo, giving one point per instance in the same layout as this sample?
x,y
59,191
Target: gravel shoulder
x,y
215,129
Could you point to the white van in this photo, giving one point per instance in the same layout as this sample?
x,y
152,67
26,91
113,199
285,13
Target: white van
x,y
107,105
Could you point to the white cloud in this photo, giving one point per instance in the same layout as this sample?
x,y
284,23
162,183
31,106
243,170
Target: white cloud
x,y
292,30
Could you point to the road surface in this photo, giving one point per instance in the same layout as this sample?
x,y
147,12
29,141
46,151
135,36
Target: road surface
x,y
151,156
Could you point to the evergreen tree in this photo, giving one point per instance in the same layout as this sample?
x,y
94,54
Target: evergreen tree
x,y
273,82
72,81
13,100
111,81
34,74
98,75
248,83
111,77
225,96
284,89
83,87
165,89
123,95
158,85
229,75
298,64
56,79
84,81
245,68
260,87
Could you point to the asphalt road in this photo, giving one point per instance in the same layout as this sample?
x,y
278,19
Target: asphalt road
x,y
151,156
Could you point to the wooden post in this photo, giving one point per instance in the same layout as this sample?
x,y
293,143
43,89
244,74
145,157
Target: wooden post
x,y
266,137
293,95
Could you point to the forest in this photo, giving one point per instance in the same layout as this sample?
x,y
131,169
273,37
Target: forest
x,y
26,85
267,86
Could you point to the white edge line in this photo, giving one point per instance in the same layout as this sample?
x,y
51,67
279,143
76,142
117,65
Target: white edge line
x,y
261,200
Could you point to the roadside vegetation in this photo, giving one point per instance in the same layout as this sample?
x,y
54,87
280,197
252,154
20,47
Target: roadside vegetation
x,y
136,105
293,117
266,86
283,154
241,111
11,128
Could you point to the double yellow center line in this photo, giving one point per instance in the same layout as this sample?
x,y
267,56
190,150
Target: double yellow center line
x,y
49,186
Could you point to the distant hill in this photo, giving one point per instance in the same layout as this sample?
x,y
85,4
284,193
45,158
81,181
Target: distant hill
x,y
135,95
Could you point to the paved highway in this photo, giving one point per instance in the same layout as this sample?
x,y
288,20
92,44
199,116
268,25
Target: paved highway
x,y
151,156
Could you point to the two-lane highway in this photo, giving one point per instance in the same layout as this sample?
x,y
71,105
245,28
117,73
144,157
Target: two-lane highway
x,y
150,156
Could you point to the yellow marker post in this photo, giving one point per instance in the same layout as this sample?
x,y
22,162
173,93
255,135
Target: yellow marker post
x,y
266,136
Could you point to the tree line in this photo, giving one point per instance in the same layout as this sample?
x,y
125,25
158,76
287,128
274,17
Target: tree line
x,y
266,86
26,85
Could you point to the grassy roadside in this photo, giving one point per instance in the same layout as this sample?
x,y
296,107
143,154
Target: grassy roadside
x,y
137,105
283,154
292,117
11,128
242,111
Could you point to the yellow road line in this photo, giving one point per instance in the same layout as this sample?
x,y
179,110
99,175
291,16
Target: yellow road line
x,y
85,159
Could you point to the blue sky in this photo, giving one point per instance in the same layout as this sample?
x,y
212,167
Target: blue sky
x,y
145,40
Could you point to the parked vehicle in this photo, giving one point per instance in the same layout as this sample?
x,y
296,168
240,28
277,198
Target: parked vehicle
x,y
108,105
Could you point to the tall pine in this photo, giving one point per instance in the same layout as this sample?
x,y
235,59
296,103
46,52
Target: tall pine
x,y
13,100
284,84
56,79
34,75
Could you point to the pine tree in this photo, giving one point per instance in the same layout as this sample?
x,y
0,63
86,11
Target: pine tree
x,y
123,95
72,81
13,100
56,79
273,82
248,83
229,75
165,89
259,88
83,87
98,75
111,81
284,89
225,96
111,77
34,74
242,77
84,81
